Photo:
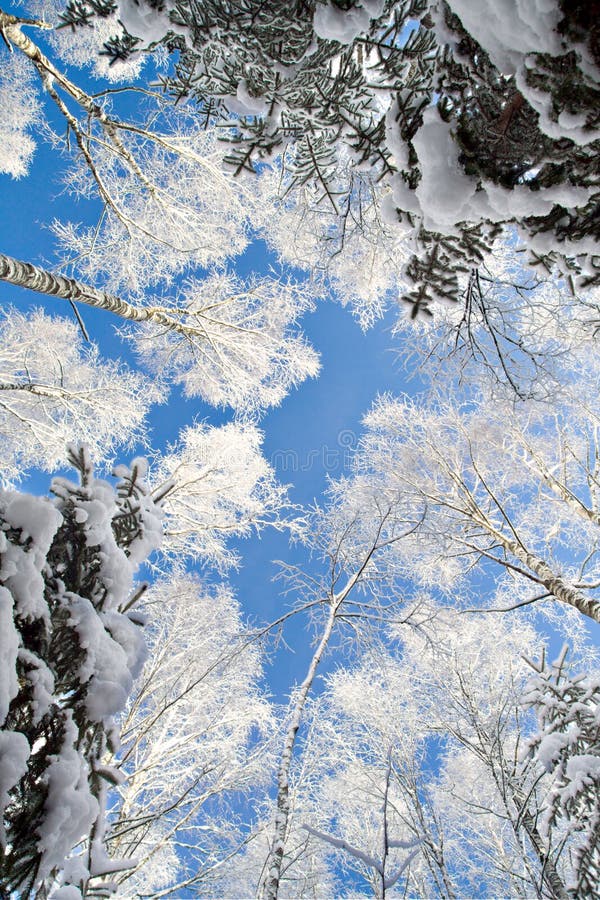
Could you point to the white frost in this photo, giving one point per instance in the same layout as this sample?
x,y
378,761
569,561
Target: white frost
x,y
14,753
19,112
9,646
334,24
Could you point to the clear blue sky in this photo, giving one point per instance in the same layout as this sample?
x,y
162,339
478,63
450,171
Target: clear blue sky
x,y
308,438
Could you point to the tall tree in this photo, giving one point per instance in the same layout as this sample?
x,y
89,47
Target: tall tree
x,y
358,582
425,742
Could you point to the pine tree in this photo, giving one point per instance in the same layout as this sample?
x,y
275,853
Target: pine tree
x,y
72,644
567,745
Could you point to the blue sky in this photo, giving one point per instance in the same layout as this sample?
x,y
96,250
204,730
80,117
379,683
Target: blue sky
x,y
309,438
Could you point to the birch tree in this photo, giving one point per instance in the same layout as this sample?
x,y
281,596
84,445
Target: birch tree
x,y
194,741
516,333
165,208
495,486
355,585
433,732
488,802
164,199
56,389
235,349
381,869
369,803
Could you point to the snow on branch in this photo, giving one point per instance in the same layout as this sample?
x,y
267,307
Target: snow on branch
x,y
70,648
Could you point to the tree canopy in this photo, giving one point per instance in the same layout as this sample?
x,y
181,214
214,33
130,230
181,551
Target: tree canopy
x,y
412,709
470,118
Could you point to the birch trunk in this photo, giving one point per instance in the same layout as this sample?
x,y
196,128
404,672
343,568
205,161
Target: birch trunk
x,y
10,26
27,275
557,586
554,584
271,887
335,600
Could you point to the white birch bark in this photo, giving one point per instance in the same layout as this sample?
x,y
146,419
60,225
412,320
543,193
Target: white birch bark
x,y
335,600
34,278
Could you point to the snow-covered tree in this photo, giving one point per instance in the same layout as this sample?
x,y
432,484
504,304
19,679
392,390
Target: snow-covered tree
x,y
469,126
495,485
567,747
353,251
516,332
72,645
468,677
193,741
166,204
423,742
56,389
228,342
164,208
238,344
215,484
357,581
392,142
381,866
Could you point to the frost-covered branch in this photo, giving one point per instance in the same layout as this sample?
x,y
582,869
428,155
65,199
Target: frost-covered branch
x,y
55,389
230,342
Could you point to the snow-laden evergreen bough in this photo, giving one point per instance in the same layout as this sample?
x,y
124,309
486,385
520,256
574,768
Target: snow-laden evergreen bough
x,y
567,747
71,645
